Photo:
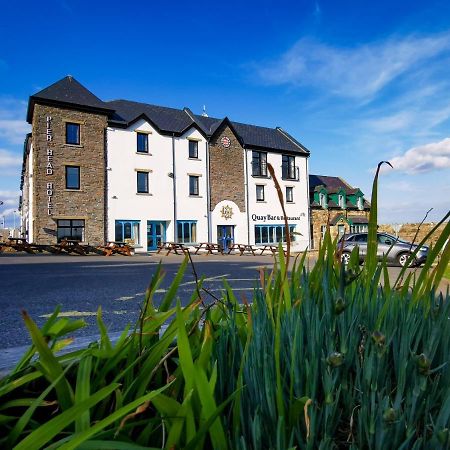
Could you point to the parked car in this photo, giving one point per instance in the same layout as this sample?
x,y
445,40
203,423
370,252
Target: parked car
x,y
394,249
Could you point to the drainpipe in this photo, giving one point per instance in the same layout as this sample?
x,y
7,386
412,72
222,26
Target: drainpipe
x,y
174,191
208,214
246,196
309,204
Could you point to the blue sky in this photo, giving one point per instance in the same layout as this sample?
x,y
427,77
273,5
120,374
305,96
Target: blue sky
x,y
355,82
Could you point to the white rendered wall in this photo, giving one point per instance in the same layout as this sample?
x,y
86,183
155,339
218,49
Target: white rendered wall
x,y
238,220
259,212
123,161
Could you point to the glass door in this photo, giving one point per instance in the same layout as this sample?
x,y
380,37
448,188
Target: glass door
x,y
156,234
225,236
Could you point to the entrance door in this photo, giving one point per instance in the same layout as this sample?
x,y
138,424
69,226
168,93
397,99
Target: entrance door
x,y
156,233
225,236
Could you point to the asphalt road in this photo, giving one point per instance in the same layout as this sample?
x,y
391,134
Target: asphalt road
x,y
80,284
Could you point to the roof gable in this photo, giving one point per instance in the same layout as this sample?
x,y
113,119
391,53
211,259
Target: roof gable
x,y
67,92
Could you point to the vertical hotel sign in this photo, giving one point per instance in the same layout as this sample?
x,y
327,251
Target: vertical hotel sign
x,y
49,167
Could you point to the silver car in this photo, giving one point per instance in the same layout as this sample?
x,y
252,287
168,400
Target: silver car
x,y
394,249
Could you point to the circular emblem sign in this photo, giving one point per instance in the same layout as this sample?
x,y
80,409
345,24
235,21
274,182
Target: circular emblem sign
x,y
225,141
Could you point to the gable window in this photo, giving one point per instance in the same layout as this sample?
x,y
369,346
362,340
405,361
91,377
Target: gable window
x,y
72,133
142,182
259,193
73,177
259,164
193,185
70,229
360,203
289,194
193,149
186,231
127,231
142,142
288,169
341,201
322,200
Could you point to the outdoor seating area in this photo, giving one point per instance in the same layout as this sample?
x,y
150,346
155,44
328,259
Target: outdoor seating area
x,y
66,246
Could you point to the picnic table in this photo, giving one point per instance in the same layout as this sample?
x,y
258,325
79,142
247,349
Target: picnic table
x,y
272,248
210,247
112,247
20,245
71,245
242,248
172,247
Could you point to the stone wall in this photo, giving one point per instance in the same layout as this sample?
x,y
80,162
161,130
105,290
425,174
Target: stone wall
x,y
88,203
320,217
408,231
227,171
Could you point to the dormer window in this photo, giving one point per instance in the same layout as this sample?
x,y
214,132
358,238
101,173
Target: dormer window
x,y
341,200
360,203
322,200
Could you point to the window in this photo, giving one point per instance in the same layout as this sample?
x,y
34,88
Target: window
x,y
323,230
127,230
259,193
70,229
360,203
193,184
187,231
259,164
142,142
193,149
72,133
361,238
72,177
322,200
272,234
142,182
341,200
289,194
288,169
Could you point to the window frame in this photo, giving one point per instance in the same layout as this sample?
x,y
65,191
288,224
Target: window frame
x,y
259,164
288,168
134,235
140,172
271,232
291,190
70,124
262,190
194,145
192,233
145,135
194,189
66,178
70,227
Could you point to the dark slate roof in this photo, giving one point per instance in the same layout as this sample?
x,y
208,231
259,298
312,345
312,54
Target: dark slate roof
x,y
358,219
332,204
165,119
331,183
69,92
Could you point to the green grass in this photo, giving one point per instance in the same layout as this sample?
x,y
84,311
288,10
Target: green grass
x,y
447,272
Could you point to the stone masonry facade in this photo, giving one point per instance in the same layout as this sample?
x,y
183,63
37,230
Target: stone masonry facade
x,y
227,170
87,203
320,217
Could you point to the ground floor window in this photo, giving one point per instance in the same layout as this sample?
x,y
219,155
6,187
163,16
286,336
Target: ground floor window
x,y
272,234
187,231
72,229
359,228
127,231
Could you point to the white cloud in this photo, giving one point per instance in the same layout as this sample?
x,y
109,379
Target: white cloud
x,y
425,158
358,72
10,163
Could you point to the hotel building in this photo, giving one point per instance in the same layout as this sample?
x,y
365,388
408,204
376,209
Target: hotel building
x,y
121,170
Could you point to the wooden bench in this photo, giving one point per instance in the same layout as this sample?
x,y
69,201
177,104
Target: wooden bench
x,y
114,247
20,245
172,247
210,247
242,248
272,248
70,246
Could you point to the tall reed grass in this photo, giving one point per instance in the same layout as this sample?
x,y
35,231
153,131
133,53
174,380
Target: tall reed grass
x,y
324,357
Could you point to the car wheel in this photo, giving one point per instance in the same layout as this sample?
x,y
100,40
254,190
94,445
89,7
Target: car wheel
x,y
345,258
403,258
